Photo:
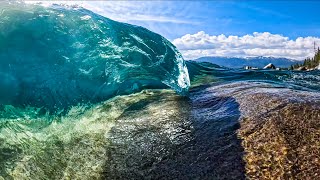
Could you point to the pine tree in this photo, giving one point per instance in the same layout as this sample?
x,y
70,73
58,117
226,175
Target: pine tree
x,y
309,63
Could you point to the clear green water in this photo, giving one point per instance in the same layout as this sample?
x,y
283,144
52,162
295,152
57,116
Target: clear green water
x,y
85,97
57,57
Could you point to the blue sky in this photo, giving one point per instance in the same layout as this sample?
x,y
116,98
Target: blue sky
x,y
224,28
174,19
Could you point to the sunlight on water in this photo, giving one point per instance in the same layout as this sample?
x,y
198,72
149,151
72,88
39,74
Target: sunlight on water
x,y
85,97
56,62
71,146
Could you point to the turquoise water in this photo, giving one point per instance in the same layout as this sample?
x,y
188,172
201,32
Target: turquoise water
x,y
85,97
56,57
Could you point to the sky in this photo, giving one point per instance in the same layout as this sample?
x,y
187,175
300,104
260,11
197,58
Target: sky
x,y
224,28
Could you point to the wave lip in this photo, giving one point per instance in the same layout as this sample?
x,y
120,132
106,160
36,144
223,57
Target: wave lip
x,y
60,56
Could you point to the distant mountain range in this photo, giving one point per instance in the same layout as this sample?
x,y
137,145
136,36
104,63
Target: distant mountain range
x,y
259,62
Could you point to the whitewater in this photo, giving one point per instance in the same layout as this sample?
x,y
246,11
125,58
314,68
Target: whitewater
x,y
86,97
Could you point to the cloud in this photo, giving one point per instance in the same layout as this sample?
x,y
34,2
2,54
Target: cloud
x,y
256,44
171,19
127,11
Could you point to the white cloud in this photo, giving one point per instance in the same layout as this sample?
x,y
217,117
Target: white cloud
x,y
126,11
256,44
162,17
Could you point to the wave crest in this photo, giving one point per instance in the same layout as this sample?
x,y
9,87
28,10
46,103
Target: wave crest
x,y
59,56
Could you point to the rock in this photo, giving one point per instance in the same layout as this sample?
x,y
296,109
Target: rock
x,y
270,66
302,68
249,67
259,128
279,130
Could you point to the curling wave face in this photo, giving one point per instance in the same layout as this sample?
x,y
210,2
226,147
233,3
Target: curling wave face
x,y
233,124
56,57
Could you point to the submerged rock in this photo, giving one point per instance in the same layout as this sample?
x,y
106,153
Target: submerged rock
x,y
232,131
243,130
280,130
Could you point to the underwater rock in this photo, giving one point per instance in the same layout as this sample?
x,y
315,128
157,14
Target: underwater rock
x,y
280,130
242,130
233,125
230,131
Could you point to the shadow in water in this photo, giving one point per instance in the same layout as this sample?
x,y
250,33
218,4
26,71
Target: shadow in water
x,y
172,137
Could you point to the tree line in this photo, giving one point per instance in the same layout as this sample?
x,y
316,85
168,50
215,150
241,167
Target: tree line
x,y
309,63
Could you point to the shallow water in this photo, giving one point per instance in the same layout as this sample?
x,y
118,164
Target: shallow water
x,y
224,131
231,124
